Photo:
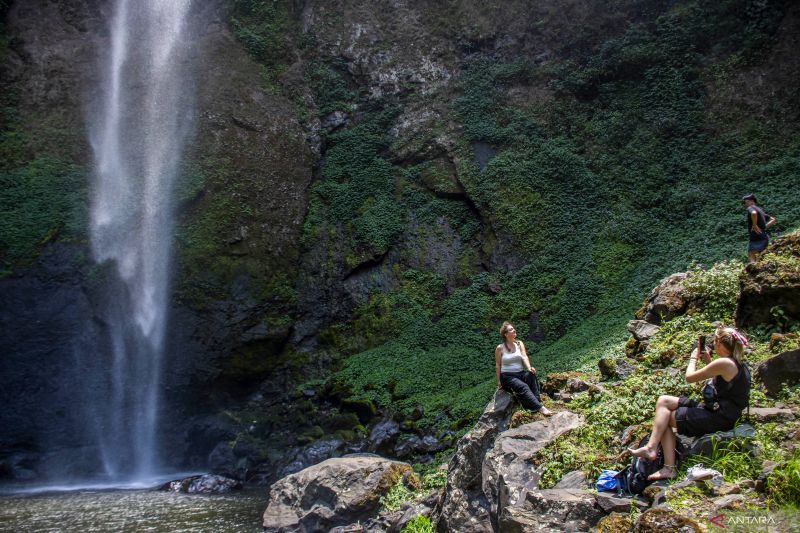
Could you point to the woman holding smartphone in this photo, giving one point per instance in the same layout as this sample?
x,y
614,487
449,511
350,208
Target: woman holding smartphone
x,y
731,378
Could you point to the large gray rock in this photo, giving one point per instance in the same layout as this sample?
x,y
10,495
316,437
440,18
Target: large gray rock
x,y
642,330
668,300
782,369
705,444
573,480
507,469
610,503
333,493
464,507
313,453
551,510
771,414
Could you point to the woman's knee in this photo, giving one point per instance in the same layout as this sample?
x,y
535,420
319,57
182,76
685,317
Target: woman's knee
x,y
667,401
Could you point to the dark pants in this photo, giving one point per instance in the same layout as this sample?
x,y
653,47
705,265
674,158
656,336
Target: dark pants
x,y
522,385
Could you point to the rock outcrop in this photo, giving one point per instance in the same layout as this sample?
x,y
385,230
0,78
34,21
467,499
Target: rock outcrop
x,y
492,483
771,287
464,507
668,300
783,369
333,493
507,469
551,510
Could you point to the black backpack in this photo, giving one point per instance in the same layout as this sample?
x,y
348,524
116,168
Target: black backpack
x,y
633,478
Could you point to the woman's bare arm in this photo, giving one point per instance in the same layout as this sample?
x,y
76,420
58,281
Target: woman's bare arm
x,y
719,367
497,362
525,360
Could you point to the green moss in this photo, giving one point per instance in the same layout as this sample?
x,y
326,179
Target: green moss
x,y
264,28
43,194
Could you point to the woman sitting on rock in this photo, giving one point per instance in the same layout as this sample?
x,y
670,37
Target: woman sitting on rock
x,y
514,371
732,382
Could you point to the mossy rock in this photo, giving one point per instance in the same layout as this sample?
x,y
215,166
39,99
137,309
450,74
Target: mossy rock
x,y
770,288
364,408
615,523
660,520
557,381
342,422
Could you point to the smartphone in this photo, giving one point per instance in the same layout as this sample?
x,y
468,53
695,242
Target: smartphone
x,y
701,343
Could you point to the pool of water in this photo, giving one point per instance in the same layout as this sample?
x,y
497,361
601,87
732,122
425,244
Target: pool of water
x,y
107,511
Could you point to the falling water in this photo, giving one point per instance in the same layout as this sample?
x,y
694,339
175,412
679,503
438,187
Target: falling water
x,y
137,135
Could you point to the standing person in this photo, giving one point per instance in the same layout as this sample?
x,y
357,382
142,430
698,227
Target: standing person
x,y
731,379
514,371
757,223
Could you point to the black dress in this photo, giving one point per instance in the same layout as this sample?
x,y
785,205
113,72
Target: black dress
x,y
694,420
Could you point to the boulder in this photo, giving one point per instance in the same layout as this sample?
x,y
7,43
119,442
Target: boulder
x,y
783,368
732,501
205,484
333,493
771,414
615,523
384,434
642,330
615,368
463,507
610,503
576,385
662,519
223,461
705,444
768,284
668,300
557,381
551,510
507,469
573,480
312,454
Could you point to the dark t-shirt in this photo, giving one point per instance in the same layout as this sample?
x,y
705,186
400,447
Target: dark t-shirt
x,y
761,220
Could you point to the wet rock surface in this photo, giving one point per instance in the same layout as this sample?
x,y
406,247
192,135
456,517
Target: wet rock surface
x,y
205,484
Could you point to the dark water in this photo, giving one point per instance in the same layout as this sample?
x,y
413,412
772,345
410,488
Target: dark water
x,y
109,511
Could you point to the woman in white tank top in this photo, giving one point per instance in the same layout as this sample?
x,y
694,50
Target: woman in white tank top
x,y
514,371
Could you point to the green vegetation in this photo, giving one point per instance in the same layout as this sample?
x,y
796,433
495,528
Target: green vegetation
x,y
263,27
42,192
618,180
629,404
420,524
399,494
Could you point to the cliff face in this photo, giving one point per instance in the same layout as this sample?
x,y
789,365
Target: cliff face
x,y
373,188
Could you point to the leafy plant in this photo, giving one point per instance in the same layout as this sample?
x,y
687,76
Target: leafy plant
x,y
419,524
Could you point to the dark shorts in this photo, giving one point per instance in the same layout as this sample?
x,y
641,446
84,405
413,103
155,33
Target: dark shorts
x,y
694,420
757,244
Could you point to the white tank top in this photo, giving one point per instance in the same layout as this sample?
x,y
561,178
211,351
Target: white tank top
x,y
511,361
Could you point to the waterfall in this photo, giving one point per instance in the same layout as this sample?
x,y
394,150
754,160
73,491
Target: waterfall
x,y
137,133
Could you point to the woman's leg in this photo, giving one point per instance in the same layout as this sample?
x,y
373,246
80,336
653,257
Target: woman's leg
x,y
668,447
521,392
662,421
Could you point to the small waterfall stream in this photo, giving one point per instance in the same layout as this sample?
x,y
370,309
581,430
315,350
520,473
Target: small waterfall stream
x,y
137,134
